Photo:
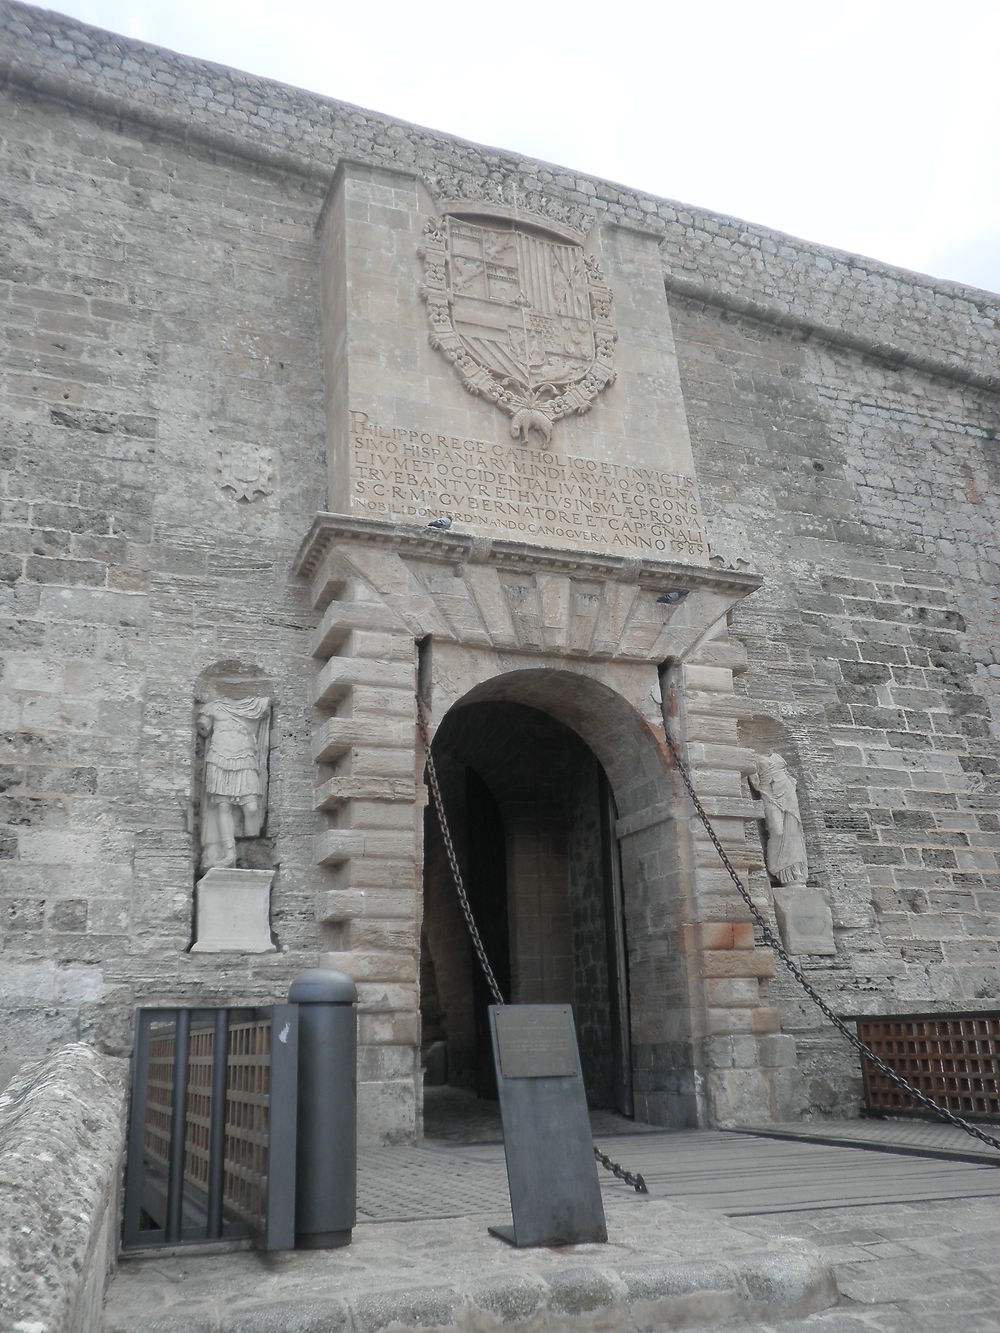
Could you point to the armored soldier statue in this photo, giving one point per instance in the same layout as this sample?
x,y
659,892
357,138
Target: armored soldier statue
x,y
234,795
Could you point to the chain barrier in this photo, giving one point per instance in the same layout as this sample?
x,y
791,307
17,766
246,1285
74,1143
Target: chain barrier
x,y
771,940
635,1180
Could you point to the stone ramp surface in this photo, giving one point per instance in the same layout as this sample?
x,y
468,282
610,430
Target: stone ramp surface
x,y
732,1174
786,1175
666,1265
924,1138
718,1244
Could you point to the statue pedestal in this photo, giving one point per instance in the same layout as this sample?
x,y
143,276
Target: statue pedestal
x,y
232,912
804,919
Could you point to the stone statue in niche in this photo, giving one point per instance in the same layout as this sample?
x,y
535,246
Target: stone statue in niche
x,y
786,848
234,788
804,919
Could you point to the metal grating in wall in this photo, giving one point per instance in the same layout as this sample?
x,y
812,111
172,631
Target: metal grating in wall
x,y
952,1058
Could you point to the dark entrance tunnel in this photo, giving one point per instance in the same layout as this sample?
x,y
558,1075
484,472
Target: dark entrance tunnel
x,y
532,818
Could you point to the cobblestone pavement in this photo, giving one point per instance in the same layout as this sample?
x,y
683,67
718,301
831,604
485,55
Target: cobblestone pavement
x,y
914,1266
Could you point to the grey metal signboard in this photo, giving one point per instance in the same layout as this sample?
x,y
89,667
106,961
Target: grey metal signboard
x,y
555,1197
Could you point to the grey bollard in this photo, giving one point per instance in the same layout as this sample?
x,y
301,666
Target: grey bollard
x,y
326,1152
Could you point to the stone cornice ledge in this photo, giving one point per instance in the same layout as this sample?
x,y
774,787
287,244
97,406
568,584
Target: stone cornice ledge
x,y
462,548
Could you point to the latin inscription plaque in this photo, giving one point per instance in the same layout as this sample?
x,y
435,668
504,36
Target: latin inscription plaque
x,y
403,472
536,1041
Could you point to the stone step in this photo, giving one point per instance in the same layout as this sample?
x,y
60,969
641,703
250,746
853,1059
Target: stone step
x,y
340,618
335,846
328,582
732,655
372,872
340,674
347,904
337,735
376,815
377,761
737,963
375,966
716,756
381,934
717,704
336,791
732,807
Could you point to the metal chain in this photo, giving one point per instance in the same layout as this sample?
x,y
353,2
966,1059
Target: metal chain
x,y
635,1180
774,943
616,1169
456,874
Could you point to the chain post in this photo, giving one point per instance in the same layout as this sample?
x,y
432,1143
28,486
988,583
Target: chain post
x,y
635,1180
769,938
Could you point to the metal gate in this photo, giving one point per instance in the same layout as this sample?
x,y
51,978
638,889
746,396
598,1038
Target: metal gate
x,y
212,1127
954,1059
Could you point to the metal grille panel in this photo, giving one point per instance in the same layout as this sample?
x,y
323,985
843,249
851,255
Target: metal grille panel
x,y
248,1091
213,1112
952,1058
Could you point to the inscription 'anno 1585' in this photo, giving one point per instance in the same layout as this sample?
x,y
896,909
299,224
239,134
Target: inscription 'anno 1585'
x,y
399,472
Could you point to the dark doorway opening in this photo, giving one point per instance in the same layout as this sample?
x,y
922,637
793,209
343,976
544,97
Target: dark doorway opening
x,y
532,816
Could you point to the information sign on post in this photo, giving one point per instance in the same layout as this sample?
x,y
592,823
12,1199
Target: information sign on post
x,y
555,1196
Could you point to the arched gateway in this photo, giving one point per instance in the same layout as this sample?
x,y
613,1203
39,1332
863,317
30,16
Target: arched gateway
x,y
517,522
548,678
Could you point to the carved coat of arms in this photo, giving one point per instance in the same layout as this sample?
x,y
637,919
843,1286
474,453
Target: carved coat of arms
x,y
525,318
245,471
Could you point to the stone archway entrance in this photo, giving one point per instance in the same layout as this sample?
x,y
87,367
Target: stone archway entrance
x,y
532,816
585,639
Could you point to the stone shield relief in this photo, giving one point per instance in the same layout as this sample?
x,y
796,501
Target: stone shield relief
x,y
524,317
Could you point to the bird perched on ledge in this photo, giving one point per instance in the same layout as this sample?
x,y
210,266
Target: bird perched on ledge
x,y
442,524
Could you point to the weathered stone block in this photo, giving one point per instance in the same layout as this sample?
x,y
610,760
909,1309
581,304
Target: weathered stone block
x,y
233,912
804,920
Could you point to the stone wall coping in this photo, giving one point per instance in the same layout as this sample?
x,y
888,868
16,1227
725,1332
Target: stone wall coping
x,y
460,548
798,325
936,326
61,1145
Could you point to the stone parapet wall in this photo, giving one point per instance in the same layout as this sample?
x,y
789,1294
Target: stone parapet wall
x,y
61,1141
904,316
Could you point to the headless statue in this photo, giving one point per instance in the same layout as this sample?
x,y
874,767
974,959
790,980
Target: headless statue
x,y
235,782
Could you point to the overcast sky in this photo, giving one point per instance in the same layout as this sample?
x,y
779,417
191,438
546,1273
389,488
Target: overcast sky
x,y
873,126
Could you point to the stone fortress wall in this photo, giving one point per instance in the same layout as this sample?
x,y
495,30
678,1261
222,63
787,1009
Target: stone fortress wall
x,y
164,455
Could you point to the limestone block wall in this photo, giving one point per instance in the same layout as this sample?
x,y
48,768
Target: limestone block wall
x,y
163,455
867,497
162,450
